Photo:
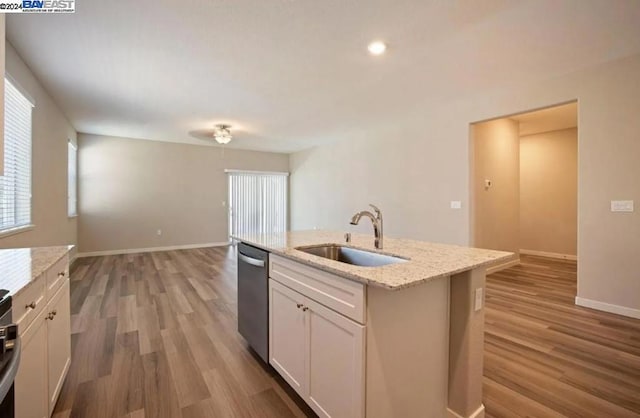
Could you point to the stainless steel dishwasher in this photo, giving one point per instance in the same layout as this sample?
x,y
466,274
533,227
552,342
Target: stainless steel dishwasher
x,y
253,298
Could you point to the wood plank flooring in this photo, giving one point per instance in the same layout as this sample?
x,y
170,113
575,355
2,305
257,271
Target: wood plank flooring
x,y
547,357
154,335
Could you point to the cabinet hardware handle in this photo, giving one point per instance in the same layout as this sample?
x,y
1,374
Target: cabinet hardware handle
x,y
32,305
61,274
299,305
50,316
305,309
54,312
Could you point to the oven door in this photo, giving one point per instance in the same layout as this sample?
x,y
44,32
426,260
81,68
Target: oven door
x,y
7,376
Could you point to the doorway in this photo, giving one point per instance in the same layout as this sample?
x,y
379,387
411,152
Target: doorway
x,y
524,176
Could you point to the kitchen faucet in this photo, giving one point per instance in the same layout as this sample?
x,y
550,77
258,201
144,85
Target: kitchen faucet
x,y
376,220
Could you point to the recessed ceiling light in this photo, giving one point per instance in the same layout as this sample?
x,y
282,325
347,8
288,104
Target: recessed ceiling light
x,y
377,48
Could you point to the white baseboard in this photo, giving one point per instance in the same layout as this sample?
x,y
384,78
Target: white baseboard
x,y
151,249
608,307
550,255
479,413
503,266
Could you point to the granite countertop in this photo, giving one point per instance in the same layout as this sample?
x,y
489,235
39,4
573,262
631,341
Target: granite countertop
x,y
426,261
21,266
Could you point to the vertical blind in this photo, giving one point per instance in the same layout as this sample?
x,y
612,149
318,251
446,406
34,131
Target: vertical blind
x,y
15,184
72,181
257,202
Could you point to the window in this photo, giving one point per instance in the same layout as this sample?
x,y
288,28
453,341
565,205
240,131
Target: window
x,y
15,184
257,202
72,180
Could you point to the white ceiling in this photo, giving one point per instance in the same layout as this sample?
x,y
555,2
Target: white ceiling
x,y
289,74
549,119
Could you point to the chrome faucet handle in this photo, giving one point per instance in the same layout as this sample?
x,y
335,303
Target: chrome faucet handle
x,y
376,210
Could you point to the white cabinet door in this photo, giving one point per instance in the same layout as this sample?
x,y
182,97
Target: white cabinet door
x,y
287,335
58,343
335,363
31,381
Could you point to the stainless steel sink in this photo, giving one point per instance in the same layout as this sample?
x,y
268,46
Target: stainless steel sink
x,y
351,256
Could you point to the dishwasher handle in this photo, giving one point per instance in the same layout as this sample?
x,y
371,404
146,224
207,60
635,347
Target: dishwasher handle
x,y
249,260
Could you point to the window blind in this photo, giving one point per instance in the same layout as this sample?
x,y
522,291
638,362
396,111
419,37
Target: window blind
x,y
72,185
257,202
15,184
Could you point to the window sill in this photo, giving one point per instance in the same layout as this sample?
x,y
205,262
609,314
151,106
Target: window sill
x,y
17,230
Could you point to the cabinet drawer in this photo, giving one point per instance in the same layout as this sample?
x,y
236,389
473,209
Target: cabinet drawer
x,y
56,275
342,295
29,303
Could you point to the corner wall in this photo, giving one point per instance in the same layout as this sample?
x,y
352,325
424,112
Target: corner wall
x,y
413,166
51,132
549,192
496,158
130,188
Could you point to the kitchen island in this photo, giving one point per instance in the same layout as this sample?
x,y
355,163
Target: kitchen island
x,y
399,340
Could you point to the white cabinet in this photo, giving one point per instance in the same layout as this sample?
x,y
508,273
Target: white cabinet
x,y
31,380
45,353
58,343
287,336
352,350
318,351
335,358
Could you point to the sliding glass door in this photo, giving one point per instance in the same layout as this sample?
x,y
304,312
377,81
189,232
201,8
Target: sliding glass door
x,y
257,202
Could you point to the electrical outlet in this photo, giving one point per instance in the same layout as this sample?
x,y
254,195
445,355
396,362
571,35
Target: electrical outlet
x,y
159,232
456,204
479,299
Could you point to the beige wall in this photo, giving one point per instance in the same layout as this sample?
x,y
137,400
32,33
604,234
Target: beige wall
x,y
130,188
496,157
51,132
416,164
549,192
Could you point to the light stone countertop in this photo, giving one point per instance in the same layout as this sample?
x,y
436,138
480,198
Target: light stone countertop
x,y
19,267
426,261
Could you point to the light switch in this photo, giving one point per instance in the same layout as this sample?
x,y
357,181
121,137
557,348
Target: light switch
x,y
456,204
622,206
478,304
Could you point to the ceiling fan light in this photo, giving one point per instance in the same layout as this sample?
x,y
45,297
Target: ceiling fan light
x,y
222,134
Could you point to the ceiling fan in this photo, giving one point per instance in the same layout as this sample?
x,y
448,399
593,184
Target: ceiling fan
x,y
221,133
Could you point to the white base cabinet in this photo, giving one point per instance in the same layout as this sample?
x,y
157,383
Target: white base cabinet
x,y
335,363
45,334
288,326
58,344
31,381
353,351
319,352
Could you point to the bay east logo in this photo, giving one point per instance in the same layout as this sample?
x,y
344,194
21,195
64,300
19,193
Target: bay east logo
x,y
48,6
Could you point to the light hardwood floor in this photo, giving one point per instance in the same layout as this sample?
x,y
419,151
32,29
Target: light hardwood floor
x,y
547,357
155,335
